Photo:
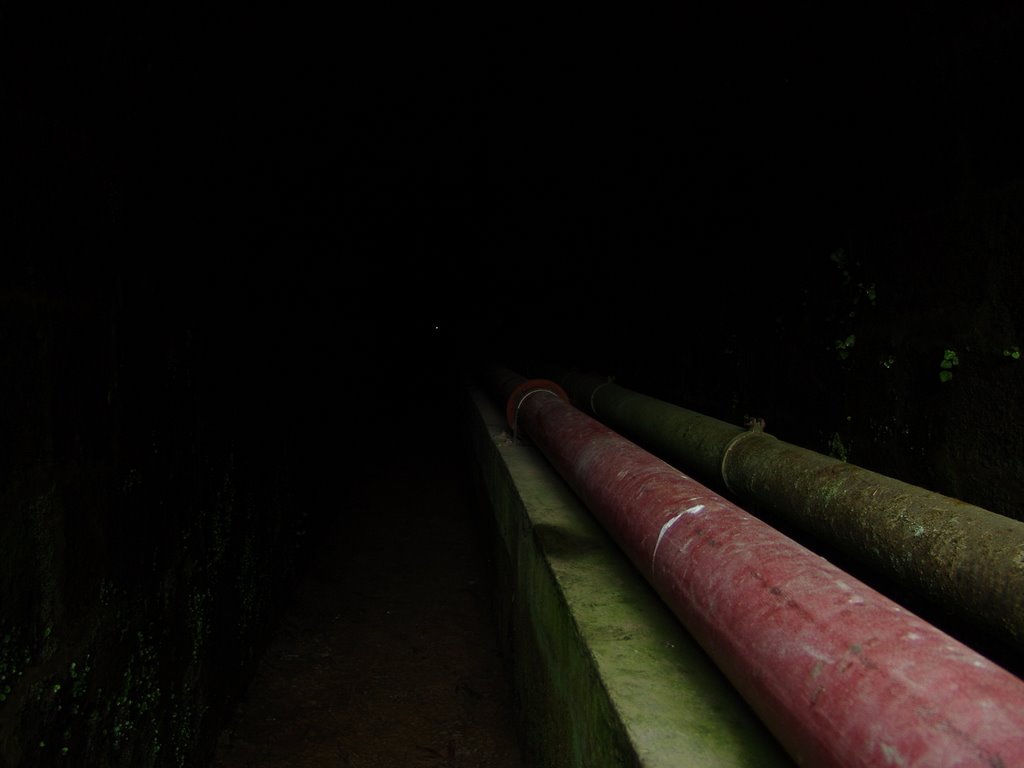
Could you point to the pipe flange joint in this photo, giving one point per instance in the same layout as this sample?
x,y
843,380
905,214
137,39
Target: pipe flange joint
x,y
594,391
523,391
723,469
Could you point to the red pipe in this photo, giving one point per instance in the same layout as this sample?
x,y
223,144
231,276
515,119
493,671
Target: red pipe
x,y
840,674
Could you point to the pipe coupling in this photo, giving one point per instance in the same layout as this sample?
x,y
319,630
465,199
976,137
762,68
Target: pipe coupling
x,y
723,470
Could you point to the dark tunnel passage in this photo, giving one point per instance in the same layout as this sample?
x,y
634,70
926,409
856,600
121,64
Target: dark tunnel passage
x,y
250,260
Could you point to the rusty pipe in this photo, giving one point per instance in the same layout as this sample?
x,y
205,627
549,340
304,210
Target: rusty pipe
x,y
841,675
962,561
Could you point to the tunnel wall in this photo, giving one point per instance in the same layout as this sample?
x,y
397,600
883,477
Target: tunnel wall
x,y
603,673
151,520
895,344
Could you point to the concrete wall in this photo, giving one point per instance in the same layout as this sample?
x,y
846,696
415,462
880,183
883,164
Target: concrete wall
x,y
604,674
152,516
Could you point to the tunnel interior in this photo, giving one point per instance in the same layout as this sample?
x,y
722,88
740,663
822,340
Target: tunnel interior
x,y
248,253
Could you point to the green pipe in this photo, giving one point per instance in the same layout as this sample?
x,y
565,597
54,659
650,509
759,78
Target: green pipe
x,y
961,561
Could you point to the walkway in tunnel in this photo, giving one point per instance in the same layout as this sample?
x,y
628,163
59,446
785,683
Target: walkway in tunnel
x,y
389,655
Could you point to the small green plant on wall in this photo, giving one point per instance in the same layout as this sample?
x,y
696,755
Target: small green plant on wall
x,y
843,346
1012,352
949,361
836,448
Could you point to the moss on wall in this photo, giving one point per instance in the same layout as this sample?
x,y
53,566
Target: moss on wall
x,y
152,522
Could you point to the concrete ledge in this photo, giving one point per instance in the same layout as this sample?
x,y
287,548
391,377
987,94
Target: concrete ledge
x,y
604,673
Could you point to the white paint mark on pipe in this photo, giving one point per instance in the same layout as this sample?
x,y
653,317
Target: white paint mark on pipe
x,y
814,653
664,530
695,509
852,598
892,755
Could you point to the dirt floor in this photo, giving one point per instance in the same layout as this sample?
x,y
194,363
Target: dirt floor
x,y
389,656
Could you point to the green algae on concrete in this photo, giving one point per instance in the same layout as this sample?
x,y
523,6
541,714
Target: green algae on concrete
x,y
604,672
